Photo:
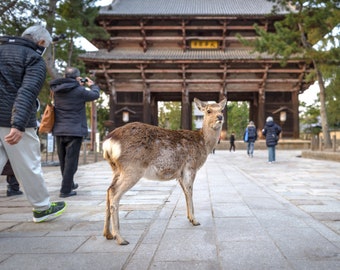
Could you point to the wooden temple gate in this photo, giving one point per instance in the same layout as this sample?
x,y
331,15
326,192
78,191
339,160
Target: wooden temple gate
x,y
173,51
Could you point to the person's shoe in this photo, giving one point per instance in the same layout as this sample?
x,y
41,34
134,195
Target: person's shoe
x,y
55,210
75,186
64,195
12,192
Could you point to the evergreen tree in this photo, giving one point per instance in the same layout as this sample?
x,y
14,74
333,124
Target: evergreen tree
x,y
238,117
170,115
333,100
66,20
305,24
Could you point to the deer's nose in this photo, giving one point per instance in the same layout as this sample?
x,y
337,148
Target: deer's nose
x,y
220,117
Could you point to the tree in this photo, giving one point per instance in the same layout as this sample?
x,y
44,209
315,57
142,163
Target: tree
x,y
333,100
238,116
76,19
310,118
170,115
66,20
306,24
11,20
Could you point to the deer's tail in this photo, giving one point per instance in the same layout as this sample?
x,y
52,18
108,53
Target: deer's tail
x,y
111,149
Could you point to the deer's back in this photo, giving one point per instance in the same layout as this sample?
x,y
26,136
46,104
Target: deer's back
x,y
158,152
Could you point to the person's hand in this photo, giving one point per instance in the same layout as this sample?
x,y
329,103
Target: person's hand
x,y
14,136
89,82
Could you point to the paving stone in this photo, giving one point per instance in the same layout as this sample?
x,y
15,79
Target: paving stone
x,y
253,216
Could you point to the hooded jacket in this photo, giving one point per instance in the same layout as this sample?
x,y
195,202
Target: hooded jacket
x,y
252,133
271,131
69,103
22,74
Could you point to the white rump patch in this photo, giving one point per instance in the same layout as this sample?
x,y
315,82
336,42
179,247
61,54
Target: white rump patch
x,y
113,148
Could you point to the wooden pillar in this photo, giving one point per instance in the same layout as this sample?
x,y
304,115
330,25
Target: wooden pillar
x,y
223,95
185,111
186,106
146,105
113,107
223,91
93,124
262,99
254,112
154,112
261,108
111,123
295,103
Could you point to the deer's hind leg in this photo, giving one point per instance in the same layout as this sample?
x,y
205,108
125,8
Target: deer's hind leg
x,y
119,186
106,232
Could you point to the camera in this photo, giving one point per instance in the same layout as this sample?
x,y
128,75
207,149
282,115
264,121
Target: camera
x,y
84,80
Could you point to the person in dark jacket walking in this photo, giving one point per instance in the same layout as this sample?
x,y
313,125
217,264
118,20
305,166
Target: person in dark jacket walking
x,y
250,136
232,141
22,74
271,131
70,126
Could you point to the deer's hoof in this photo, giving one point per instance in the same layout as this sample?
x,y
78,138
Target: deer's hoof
x,y
109,236
195,223
123,243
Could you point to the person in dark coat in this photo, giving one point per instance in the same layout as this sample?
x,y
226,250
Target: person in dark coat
x,y
250,138
22,75
13,186
70,126
271,131
232,142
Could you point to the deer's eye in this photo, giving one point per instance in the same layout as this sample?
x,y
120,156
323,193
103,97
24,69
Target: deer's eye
x,y
208,111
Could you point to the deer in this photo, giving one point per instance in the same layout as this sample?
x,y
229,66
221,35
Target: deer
x,y
137,150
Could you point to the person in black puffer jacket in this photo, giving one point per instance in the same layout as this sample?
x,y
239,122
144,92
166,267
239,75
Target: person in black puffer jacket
x,y
271,131
70,126
22,74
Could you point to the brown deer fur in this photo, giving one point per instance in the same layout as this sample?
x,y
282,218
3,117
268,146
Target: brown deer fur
x,y
138,150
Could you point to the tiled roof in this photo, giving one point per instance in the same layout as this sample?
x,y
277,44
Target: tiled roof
x,y
171,54
187,7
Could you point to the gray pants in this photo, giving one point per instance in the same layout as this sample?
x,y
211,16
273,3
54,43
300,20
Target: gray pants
x,y
26,164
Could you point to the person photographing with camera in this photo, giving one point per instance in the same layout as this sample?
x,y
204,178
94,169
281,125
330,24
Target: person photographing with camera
x,y
70,126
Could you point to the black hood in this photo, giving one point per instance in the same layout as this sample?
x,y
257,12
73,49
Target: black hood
x,y
270,123
64,85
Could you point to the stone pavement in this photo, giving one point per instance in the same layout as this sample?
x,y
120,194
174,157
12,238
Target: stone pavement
x,y
253,215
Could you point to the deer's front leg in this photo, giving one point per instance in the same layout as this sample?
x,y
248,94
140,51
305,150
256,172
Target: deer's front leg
x,y
186,183
115,224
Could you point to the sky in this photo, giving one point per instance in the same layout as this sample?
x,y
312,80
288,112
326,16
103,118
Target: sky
x,y
310,95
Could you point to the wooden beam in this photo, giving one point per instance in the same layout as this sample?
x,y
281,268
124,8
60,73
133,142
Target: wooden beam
x,y
204,71
177,38
187,61
175,27
207,81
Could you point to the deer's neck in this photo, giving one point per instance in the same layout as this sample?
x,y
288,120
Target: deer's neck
x,y
211,137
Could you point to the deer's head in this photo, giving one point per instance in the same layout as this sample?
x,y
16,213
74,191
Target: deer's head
x,y
213,113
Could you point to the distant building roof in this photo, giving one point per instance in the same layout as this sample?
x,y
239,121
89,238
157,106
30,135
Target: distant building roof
x,y
187,7
173,54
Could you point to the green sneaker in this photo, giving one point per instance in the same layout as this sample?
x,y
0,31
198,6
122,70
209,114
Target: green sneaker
x,y
55,210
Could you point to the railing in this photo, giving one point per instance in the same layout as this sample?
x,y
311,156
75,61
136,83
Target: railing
x,y
317,144
49,156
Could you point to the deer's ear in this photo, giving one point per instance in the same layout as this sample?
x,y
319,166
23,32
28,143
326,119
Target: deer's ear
x,y
200,104
223,103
